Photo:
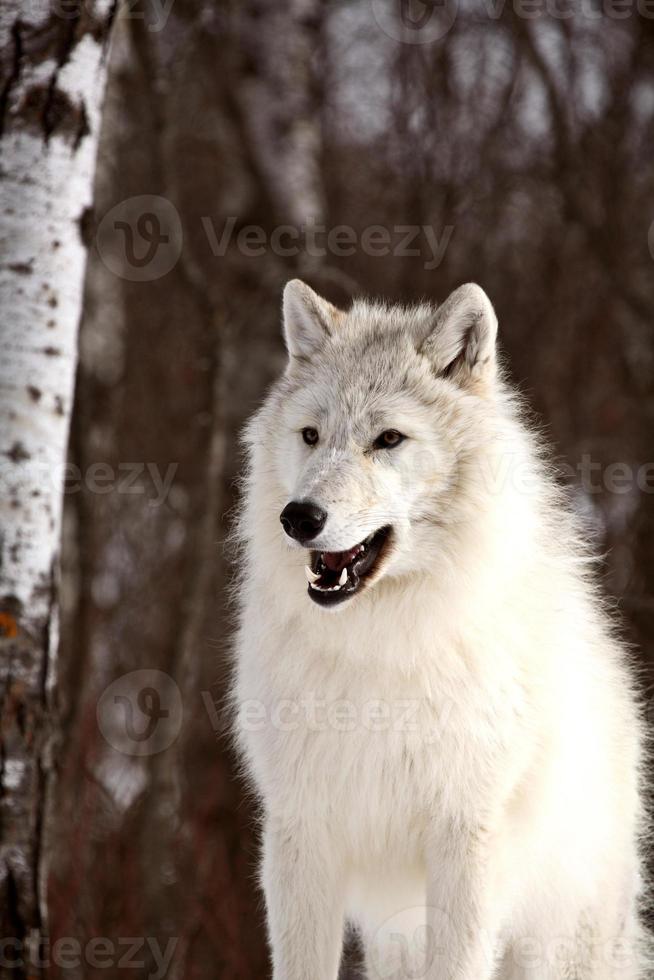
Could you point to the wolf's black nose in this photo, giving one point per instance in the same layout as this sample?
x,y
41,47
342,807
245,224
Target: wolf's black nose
x,y
302,520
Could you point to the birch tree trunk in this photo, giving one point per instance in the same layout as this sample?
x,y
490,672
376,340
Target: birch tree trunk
x,y
53,72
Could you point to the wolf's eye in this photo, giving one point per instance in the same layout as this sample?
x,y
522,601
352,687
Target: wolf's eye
x,y
388,439
310,436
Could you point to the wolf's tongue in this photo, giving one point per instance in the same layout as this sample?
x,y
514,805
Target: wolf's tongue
x,y
337,560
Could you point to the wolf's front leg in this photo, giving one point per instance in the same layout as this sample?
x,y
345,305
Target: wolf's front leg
x,y
303,884
462,909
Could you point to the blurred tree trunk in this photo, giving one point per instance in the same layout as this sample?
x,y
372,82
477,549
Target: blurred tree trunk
x,y
52,65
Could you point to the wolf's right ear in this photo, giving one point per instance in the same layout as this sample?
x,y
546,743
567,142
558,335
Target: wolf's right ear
x,y
461,343
308,319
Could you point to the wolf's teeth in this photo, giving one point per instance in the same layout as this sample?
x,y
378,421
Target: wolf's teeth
x,y
343,578
311,575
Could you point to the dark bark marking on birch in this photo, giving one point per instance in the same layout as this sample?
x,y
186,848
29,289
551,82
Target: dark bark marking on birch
x,y
17,453
21,268
45,108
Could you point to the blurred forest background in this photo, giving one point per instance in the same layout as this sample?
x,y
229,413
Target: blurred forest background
x,y
523,140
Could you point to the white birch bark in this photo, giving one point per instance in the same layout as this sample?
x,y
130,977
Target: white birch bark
x,y
52,58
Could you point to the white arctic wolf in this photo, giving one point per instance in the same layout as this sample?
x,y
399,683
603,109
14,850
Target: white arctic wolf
x,y
440,722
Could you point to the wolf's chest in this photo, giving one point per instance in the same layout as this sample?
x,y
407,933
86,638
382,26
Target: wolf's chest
x,y
374,753
376,765
368,772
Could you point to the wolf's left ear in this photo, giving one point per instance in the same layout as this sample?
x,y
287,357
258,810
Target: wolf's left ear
x,y
461,344
308,319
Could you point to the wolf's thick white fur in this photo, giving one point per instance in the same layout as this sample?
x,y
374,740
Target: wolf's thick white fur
x,y
451,760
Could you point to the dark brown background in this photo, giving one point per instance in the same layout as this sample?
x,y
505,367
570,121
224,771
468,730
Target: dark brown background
x,y
533,139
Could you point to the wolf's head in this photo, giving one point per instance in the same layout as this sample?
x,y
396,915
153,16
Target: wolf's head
x,y
370,445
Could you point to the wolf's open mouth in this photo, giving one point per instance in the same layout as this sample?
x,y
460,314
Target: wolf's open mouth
x,y
336,575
